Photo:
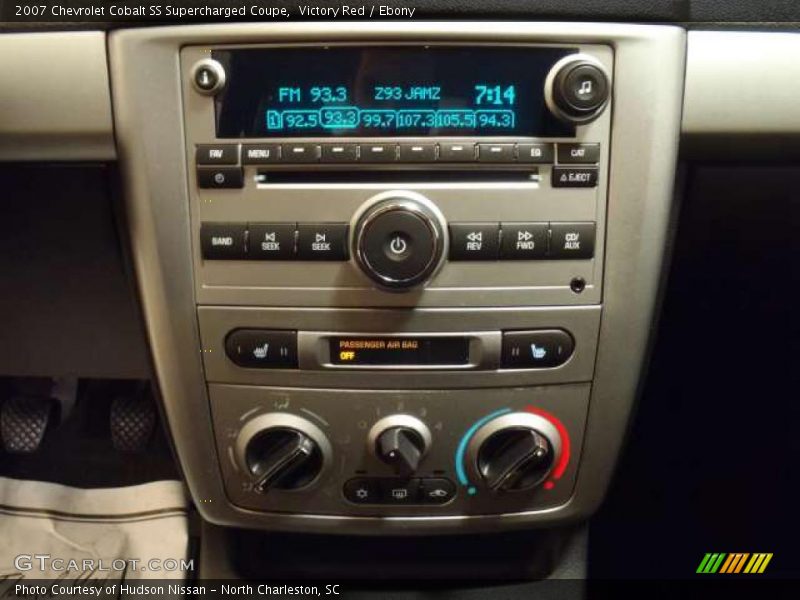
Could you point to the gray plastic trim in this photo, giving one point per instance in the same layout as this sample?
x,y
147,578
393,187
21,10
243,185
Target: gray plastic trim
x,y
742,83
648,95
55,98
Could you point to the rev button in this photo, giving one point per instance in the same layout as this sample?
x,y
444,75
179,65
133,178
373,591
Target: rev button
x,y
474,241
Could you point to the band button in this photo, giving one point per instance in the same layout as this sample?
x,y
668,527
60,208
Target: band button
x,y
222,241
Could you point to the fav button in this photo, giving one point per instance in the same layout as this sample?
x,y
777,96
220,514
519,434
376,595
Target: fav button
x,y
271,241
536,349
222,241
572,240
523,241
474,241
210,154
262,349
323,241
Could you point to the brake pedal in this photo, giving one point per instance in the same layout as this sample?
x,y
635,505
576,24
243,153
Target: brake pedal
x,y
133,420
23,422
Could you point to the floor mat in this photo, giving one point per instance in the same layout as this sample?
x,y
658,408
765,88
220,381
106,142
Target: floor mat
x,y
52,531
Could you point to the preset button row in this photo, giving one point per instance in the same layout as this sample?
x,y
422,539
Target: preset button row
x,y
521,241
274,241
379,152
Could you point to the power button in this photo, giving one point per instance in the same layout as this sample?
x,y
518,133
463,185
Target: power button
x,y
399,243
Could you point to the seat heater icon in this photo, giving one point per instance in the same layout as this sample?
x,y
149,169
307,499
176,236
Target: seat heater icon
x,y
537,352
261,351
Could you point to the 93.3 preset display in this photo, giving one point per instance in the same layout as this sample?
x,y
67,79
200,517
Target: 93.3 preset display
x,y
386,91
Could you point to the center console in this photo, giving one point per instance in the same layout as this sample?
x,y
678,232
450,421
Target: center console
x,y
398,278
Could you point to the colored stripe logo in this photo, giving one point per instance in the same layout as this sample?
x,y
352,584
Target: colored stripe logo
x,y
734,563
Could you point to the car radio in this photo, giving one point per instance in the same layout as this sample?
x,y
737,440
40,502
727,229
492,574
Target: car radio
x,y
395,265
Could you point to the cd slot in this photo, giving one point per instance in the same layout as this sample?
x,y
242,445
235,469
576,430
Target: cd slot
x,y
267,177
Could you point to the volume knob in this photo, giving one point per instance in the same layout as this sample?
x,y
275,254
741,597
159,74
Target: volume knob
x,y
399,239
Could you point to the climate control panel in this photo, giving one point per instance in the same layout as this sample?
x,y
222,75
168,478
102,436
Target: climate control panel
x,y
389,453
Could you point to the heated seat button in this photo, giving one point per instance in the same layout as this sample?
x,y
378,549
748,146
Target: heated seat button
x,y
399,491
220,177
222,241
572,240
322,241
362,490
271,241
262,348
474,241
578,153
436,490
213,154
536,349
564,177
523,241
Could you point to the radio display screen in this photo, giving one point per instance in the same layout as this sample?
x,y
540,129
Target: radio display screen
x,y
387,91
392,351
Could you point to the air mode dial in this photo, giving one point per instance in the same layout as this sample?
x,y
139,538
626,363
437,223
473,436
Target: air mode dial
x,y
282,452
515,452
399,239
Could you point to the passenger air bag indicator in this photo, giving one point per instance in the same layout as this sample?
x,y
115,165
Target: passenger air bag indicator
x,y
402,351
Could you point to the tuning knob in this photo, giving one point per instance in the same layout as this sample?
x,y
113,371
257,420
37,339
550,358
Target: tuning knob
x,y
400,441
399,239
577,89
282,451
515,452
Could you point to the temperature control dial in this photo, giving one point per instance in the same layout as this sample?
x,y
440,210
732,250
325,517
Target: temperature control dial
x,y
399,239
400,441
577,89
282,452
515,452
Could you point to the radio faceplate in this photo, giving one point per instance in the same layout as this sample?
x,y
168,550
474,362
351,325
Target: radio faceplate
x,y
523,202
